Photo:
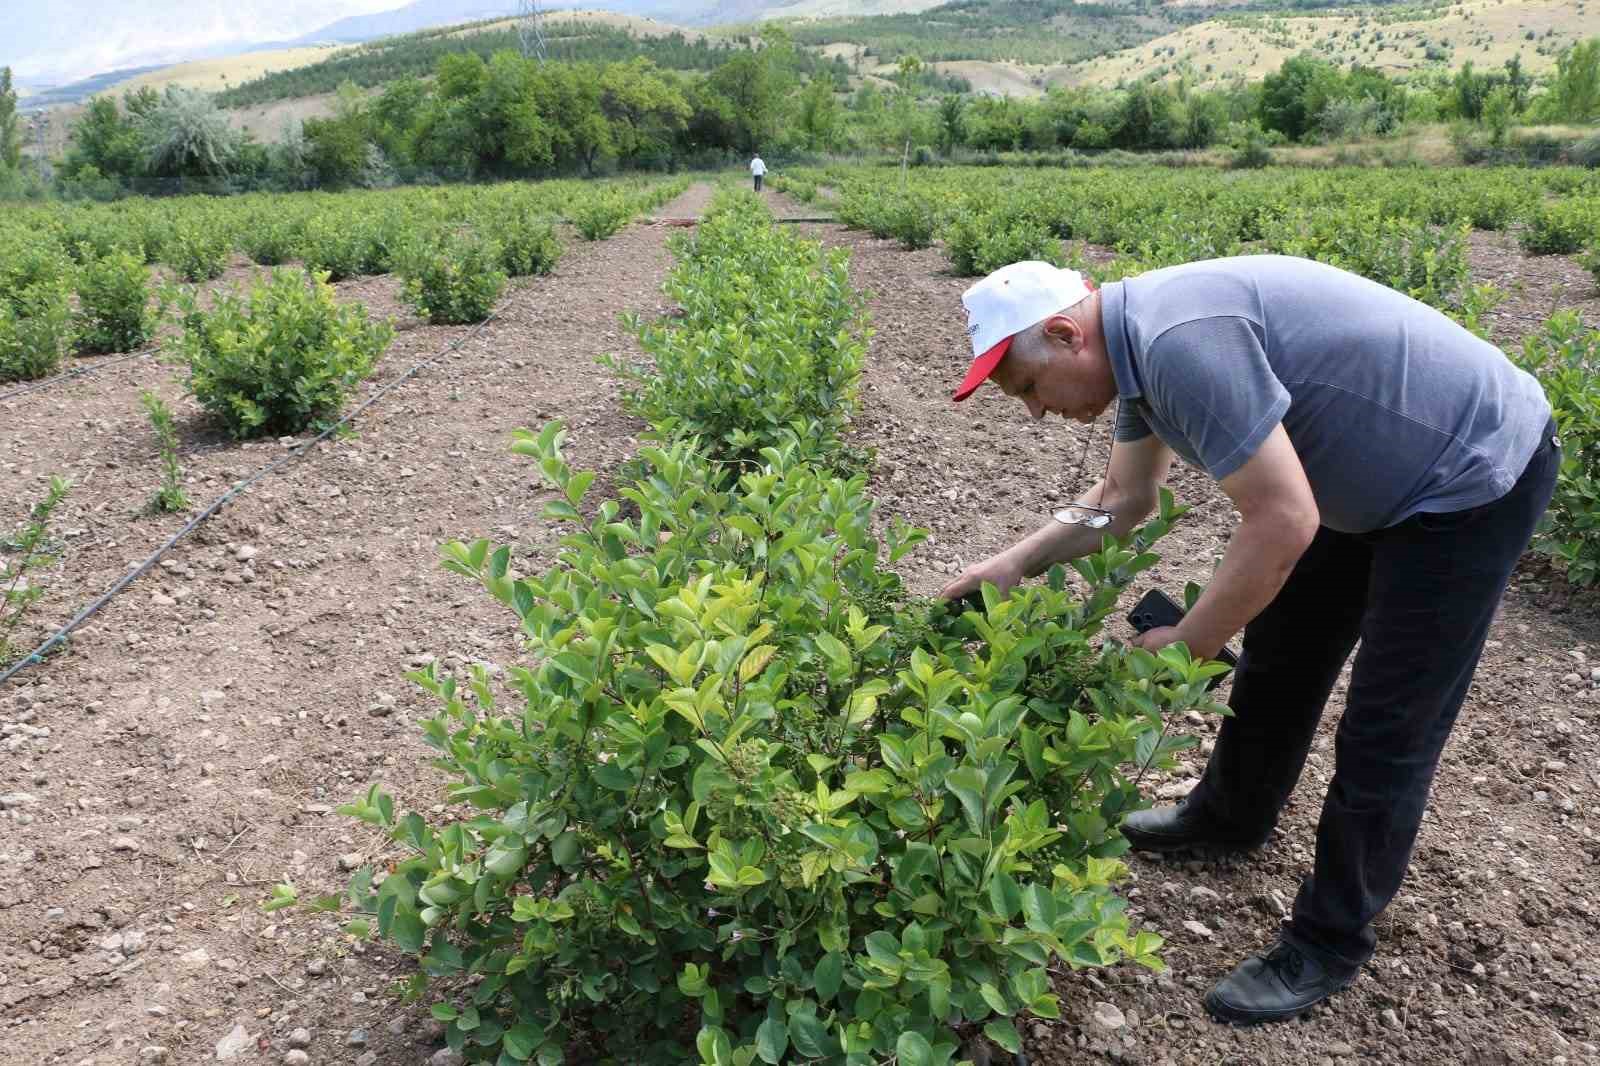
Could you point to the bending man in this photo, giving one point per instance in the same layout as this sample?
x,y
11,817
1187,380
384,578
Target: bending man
x,y
1389,466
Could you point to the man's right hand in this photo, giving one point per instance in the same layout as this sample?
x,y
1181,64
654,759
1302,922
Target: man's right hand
x,y
998,570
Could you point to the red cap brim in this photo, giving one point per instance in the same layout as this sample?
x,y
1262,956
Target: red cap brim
x,y
981,368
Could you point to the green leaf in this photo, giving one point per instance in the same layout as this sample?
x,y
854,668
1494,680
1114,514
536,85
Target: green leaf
x,y
521,1041
1002,1032
809,1035
913,1049
408,930
772,1040
829,975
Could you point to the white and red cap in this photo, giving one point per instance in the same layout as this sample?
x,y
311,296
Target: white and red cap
x,y
1007,302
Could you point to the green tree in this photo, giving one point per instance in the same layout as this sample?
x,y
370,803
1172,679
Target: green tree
x,y
1293,97
104,140
645,108
188,136
753,88
952,122
817,115
10,142
1576,89
394,115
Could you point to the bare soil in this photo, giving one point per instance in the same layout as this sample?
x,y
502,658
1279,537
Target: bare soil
x,y
186,751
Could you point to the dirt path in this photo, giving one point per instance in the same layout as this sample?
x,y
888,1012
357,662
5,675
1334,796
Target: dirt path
x,y
1485,957
187,753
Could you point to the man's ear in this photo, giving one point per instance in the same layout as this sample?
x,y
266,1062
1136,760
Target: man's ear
x,y
1062,328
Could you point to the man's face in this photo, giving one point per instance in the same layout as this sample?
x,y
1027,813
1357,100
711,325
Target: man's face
x,y
1051,379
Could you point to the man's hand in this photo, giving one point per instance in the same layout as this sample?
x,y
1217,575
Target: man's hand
x,y
1153,640
999,570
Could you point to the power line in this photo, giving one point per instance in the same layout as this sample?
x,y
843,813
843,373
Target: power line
x,y
530,29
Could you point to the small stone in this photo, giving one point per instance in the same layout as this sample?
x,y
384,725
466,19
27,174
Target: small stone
x,y
234,1044
357,1038
1555,766
296,1058
1339,1049
244,552
299,1038
154,1055
132,941
1391,1019
125,844
368,1059
445,1057
350,860
1177,789
160,600
317,967
197,957
16,799
1594,674
112,943
1197,928
1201,892
1109,1016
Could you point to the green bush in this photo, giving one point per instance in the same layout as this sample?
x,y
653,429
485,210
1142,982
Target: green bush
x,y
114,312
1560,228
1565,357
281,360
270,241
978,243
601,213
453,280
771,335
746,784
197,248
528,243
336,244
36,321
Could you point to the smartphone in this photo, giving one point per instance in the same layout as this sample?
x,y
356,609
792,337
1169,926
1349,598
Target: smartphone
x,y
1157,609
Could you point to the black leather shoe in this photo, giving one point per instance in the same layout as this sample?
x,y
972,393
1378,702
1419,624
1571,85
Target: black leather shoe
x,y
1277,986
1181,828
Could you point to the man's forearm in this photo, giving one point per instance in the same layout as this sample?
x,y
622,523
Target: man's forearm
x,y
1058,543
1259,559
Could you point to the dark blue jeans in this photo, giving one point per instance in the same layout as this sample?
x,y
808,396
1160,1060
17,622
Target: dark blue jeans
x,y
1420,596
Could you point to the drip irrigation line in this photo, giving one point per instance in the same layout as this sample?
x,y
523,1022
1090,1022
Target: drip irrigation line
x,y
38,654
100,365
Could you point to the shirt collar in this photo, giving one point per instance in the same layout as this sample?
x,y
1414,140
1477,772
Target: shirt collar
x,y
1114,326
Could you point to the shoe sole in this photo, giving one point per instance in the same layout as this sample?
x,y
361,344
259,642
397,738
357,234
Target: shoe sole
x,y
1211,849
1223,1012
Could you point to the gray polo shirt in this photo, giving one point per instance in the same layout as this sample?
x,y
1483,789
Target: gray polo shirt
x,y
1393,408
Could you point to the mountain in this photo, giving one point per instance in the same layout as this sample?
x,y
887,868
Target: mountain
x,y
48,42
420,15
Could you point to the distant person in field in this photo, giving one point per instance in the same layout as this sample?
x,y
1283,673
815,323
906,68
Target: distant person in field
x,y
1389,468
758,170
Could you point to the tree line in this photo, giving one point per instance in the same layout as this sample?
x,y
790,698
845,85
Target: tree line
x,y
417,55
506,116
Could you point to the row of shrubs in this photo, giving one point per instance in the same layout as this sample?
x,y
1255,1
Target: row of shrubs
x,y
454,268
40,322
748,800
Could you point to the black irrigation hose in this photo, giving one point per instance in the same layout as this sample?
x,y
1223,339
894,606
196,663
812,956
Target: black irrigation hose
x,y
99,365
38,654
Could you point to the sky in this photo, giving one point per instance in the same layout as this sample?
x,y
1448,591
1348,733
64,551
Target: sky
x,y
56,41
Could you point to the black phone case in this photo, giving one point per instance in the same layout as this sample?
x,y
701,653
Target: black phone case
x,y
1157,609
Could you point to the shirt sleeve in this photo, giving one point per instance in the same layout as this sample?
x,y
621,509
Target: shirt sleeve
x,y
1209,380
1130,424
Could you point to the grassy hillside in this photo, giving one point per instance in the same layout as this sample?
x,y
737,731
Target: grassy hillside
x,y
417,54
1017,31
215,75
1393,40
